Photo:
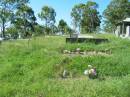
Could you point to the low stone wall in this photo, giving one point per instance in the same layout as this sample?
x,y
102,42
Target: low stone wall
x,y
86,40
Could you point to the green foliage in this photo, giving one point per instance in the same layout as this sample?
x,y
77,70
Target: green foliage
x,y
7,8
116,11
91,17
13,32
86,17
62,26
76,15
69,30
39,29
48,14
24,20
108,27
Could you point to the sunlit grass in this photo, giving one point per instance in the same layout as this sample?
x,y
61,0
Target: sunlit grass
x,y
32,68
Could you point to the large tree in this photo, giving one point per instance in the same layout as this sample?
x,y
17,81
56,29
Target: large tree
x,y
115,12
76,14
91,17
39,29
86,17
7,7
48,15
25,20
62,26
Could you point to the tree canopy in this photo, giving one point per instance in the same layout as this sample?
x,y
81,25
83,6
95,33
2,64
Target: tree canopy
x,y
77,14
7,7
18,16
48,15
62,25
115,12
25,19
86,17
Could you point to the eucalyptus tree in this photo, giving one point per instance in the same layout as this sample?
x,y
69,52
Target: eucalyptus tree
x,y
25,20
7,7
12,30
48,15
91,17
39,29
115,12
86,17
62,26
4,19
54,29
69,30
76,15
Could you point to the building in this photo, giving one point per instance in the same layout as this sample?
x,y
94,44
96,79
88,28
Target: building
x,y
123,28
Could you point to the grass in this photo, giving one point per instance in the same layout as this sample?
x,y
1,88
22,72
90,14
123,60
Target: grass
x,y
34,68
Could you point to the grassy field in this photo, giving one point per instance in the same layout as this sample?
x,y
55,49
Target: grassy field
x,y
34,68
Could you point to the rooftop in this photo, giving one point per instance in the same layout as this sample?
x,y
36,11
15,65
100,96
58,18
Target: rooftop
x,y
126,20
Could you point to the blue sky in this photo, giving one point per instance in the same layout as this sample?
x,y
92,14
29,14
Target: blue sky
x,y
63,7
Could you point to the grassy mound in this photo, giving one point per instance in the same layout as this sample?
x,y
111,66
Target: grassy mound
x,y
33,68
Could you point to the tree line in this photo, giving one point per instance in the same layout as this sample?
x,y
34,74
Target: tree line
x,y
18,18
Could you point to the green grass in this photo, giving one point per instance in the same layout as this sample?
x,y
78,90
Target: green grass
x,y
34,68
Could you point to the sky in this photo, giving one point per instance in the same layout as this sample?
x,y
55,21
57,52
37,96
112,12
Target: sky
x,y
63,7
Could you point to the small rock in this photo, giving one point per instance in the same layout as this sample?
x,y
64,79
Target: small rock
x,y
65,74
69,52
78,49
77,52
65,51
72,52
83,53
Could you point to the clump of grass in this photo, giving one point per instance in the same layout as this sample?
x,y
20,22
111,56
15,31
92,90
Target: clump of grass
x,y
35,70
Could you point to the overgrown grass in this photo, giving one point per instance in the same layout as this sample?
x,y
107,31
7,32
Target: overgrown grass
x,y
34,68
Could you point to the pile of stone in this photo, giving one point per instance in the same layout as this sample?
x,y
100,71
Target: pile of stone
x,y
78,51
67,74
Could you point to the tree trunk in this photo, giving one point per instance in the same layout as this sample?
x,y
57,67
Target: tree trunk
x,y
25,30
25,33
46,27
3,28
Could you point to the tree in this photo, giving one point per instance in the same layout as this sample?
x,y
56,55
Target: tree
x,y
6,9
69,30
91,17
86,17
54,29
25,20
62,26
4,18
115,12
39,29
76,15
12,30
48,15
108,27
